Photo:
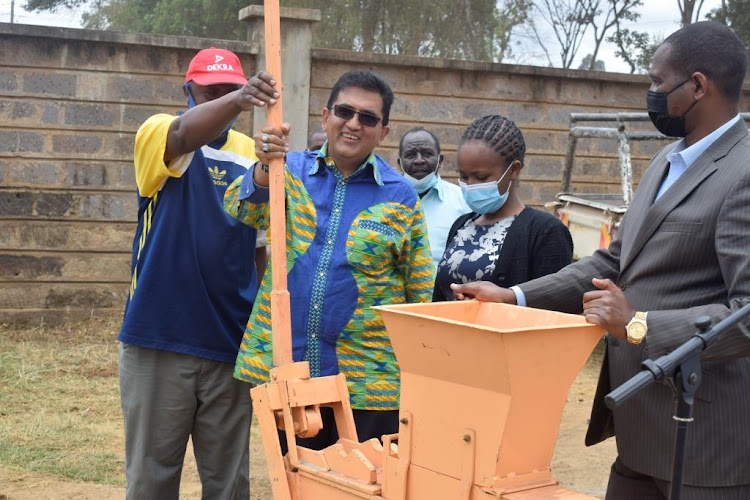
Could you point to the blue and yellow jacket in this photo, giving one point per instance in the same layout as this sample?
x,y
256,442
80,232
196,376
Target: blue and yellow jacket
x,y
192,282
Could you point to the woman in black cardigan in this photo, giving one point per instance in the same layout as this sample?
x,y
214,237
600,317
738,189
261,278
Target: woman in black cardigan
x,y
502,240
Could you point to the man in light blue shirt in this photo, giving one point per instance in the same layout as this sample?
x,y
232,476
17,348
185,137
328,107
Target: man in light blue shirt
x,y
442,202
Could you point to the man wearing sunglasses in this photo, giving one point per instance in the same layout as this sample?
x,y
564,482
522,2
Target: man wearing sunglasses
x,y
357,238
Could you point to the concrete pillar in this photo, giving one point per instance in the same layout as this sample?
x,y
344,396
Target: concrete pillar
x,y
296,46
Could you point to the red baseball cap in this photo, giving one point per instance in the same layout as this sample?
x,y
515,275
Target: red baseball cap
x,y
213,66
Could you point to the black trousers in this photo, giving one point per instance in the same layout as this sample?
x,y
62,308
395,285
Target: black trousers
x,y
369,424
627,484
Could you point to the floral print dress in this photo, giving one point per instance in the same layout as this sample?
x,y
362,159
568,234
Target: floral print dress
x,y
472,254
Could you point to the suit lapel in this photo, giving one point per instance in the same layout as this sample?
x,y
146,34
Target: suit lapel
x,y
644,197
650,216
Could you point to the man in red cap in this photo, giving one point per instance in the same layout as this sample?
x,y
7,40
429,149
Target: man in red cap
x,y
191,290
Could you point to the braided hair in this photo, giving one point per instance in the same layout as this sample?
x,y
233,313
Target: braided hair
x,y
500,134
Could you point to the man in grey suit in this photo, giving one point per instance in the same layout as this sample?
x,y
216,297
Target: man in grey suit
x,y
682,251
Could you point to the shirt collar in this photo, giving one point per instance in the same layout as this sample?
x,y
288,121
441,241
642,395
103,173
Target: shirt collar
x,y
688,155
438,188
324,159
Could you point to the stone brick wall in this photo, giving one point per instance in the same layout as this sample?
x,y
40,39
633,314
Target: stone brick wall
x,y
70,104
446,96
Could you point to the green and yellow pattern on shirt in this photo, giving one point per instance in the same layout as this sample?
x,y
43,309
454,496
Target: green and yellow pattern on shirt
x,y
352,243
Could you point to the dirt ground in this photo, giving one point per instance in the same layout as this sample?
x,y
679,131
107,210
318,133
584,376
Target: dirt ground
x,y
575,466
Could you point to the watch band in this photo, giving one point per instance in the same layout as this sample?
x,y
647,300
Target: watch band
x,y
637,328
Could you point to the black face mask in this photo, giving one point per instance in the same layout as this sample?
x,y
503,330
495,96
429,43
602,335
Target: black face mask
x,y
658,111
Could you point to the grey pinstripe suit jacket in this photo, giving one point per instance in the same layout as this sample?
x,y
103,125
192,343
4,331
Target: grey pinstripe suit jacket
x,y
683,256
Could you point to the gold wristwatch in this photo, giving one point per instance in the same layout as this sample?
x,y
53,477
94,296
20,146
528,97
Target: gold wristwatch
x,y
637,328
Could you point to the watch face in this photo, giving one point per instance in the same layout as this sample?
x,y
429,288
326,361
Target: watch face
x,y
636,330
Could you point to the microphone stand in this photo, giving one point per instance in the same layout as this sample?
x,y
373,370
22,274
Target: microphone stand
x,y
683,365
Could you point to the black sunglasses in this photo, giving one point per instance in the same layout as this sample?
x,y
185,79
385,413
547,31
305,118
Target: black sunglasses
x,y
347,112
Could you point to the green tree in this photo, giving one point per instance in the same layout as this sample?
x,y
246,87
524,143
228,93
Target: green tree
x,y
609,14
200,18
460,29
736,15
688,11
513,14
635,48
569,20
51,5
588,63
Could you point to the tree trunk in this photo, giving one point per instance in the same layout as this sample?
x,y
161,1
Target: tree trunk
x,y
687,8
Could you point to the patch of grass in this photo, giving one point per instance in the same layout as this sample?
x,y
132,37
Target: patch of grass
x,y
60,412
103,468
59,401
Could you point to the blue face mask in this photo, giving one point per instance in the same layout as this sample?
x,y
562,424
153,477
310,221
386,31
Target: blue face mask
x,y
425,183
484,198
192,104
